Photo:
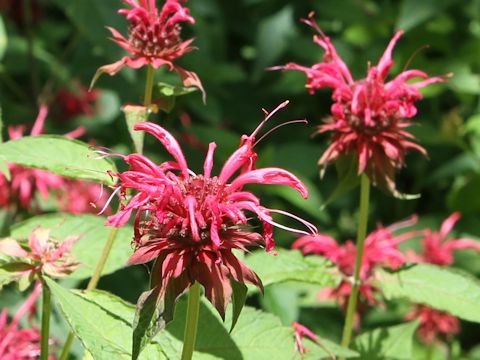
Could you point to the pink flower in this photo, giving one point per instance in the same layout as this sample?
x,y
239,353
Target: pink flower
x,y
301,332
44,255
381,249
82,197
434,323
438,249
81,101
190,223
368,115
153,39
17,343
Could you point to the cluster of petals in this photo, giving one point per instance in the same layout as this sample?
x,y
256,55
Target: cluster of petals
x,y
190,223
434,323
439,249
44,254
153,39
301,332
76,101
73,196
381,249
368,117
17,343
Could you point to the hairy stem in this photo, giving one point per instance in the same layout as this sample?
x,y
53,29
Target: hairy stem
x,y
190,335
361,234
45,331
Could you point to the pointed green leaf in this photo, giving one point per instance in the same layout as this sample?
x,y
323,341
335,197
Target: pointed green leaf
x,y
239,296
291,265
164,89
147,322
77,159
451,290
3,42
13,272
133,115
394,342
87,250
103,333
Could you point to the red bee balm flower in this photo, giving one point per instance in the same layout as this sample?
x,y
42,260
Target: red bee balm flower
x,y
191,223
368,116
381,249
434,323
154,39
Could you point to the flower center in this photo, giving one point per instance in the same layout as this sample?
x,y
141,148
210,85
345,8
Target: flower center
x,y
153,39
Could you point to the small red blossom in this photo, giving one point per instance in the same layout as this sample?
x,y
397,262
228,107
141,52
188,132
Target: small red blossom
x,y
368,115
434,323
44,255
301,332
190,223
381,249
154,39
17,343
438,249
73,196
79,101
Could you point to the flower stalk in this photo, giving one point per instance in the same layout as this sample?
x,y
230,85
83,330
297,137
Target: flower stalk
x,y
45,331
193,309
361,235
147,100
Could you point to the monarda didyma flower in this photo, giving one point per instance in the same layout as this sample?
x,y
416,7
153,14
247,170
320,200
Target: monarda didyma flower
x,y
153,39
190,223
368,117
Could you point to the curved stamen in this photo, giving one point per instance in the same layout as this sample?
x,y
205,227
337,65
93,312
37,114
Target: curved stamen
x,y
109,200
309,225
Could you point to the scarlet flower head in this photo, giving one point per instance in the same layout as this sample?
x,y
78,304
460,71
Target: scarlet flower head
x,y
438,248
44,254
190,223
434,323
17,343
369,115
76,101
381,249
153,39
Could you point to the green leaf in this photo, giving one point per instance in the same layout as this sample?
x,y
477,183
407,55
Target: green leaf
x,y
239,296
103,333
325,349
3,42
1,123
164,89
291,265
257,335
451,290
13,272
4,170
147,322
135,114
87,250
394,342
60,155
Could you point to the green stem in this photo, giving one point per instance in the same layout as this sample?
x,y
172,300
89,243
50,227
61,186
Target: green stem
x,y
361,234
92,284
190,335
147,99
45,331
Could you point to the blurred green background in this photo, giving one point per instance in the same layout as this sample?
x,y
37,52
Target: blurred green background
x,y
60,44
